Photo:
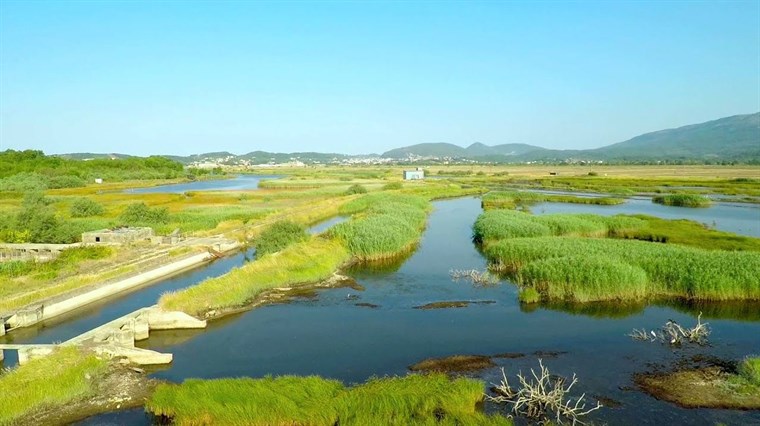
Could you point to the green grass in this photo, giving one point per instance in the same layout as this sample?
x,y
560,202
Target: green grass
x,y
690,233
682,200
278,236
513,199
749,369
384,226
304,263
584,278
671,270
50,381
287,400
501,224
66,262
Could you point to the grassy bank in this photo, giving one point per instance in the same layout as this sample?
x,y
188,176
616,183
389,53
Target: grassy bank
x,y
415,399
499,224
55,380
304,263
385,225
682,200
592,269
513,199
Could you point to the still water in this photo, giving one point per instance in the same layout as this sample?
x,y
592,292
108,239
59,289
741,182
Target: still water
x,y
352,335
739,218
239,183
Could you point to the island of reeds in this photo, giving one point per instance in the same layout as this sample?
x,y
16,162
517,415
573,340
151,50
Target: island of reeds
x,y
589,258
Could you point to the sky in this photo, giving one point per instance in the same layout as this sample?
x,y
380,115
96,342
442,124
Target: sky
x,y
185,77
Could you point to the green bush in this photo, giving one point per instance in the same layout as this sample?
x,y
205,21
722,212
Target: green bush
x,y
141,214
279,236
85,207
356,189
65,181
529,295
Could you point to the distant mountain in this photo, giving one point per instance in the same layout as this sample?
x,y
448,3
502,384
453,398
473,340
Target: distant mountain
x,y
440,149
730,138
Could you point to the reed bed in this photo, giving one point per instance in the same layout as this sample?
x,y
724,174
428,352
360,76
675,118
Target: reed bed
x,y
682,200
671,270
286,400
513,199
304,263
384,226
749,369
500,224
57,379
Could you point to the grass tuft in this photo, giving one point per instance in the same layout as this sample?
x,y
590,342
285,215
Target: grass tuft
x,y
54,380
287,400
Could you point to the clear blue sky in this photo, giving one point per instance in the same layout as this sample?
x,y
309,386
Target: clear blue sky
x,y
144,77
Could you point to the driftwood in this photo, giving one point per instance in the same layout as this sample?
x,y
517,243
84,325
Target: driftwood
x,y
473,275
542,397
675,334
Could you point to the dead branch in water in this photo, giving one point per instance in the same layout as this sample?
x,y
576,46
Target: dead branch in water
x,y
675,334
473,275
542,396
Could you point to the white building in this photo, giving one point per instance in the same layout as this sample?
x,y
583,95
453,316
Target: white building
x,y
414,174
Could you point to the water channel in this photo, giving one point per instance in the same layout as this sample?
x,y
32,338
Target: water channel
x,y
238,183
352,335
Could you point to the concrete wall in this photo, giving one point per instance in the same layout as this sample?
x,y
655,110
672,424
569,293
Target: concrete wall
x,y
117,236
28,317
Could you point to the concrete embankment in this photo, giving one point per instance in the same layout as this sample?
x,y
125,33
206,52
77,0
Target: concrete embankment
x,y
117,338
63,304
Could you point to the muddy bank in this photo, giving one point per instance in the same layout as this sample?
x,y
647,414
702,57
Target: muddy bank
x,y
285,295
122,387
468,363
707,387
454,304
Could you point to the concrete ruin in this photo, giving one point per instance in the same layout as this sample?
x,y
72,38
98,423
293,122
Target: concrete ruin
x,y
122,235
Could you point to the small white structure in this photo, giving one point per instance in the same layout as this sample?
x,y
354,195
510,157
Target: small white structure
x,y
418,174
98,180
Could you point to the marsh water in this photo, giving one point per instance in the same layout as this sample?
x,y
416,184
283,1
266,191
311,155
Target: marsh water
x,y
238,183
353,334
739,218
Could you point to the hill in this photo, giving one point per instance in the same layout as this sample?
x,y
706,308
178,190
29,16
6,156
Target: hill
x,y
734,137
730,138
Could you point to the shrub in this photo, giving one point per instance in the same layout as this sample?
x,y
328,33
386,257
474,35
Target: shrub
x,y
85,207
141,214
392,186
65,181
279,236
356,189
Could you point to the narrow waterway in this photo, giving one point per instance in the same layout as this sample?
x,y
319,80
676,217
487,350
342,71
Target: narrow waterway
x,y
352,335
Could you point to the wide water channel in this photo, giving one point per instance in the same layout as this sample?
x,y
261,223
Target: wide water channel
x,y
352,335
238,183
